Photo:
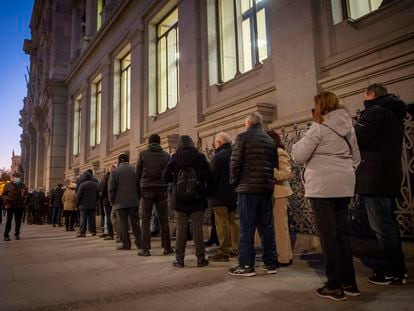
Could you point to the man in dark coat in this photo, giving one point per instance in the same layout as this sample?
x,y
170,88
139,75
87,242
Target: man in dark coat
x,y
14,198
124,198
188,161
380,132
150,166
56,204
252,162
103,191
224,200
87,197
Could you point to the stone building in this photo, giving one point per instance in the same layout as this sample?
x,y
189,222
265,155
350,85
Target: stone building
x,y
104,75
15,163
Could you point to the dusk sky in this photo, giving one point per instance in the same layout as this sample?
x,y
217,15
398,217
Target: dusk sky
x,y
14,28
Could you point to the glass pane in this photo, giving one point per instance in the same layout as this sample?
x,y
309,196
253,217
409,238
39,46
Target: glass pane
x,y
125,62
123,100
128,98
358,8
375,4
262,35
167,22
162,75
337,15
99,14
228,41
92,126
172,68
245,5
246,47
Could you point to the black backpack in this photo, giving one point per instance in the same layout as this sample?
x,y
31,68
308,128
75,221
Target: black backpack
x,y
187,184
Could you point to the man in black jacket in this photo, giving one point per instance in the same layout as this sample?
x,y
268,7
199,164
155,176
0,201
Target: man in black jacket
x,y
380,132
87,197
103,191
150,166
252,162
56,204
224,200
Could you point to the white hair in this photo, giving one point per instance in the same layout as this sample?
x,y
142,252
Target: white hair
x,y
255,118
223,137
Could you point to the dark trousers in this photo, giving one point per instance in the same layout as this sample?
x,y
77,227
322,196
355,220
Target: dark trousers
x,y
159,198
70,218
123,215
381,217
331,217
182,229
87,219
256,211
108,211
17,213
56,210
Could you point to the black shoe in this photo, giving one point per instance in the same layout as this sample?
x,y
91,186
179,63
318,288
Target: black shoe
x,y
154,233
210,243
381,279
202,262
81,235
71,229
334,294
168,251
242,271
17,237
351,290
399,280
270,269
144,252
178,263
6,238
103,235
54,225
123,248
93,233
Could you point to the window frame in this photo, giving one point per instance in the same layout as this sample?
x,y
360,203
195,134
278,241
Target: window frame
x,y
96,101
157,60
251,15
127,71
346,10
77,120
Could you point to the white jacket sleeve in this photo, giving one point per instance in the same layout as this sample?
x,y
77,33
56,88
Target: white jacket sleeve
x,y
356,156
304,149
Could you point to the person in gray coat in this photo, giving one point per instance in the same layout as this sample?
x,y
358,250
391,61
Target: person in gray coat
x,y
330,153
87,197
123,194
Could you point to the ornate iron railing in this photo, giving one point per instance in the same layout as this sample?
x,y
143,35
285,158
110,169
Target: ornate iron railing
x,y
300,214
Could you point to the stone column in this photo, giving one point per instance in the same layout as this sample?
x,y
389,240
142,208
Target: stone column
x,y
40,159
75,34
90,21
32,161
106,109
190,67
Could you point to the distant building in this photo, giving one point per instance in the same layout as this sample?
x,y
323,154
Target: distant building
x,y
105,75
15,163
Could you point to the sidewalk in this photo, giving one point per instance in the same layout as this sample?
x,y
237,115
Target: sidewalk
x,y
49,269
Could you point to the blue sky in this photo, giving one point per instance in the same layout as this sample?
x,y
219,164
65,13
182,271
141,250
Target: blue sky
x,y
14,28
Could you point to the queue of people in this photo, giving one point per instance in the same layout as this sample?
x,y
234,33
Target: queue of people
x,y
247,186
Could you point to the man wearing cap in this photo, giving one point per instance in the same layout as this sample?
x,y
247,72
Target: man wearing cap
x,y
14,197
123,195
151,164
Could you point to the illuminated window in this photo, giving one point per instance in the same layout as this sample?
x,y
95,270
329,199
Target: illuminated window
x,y
100,7
243,37
77,117
167,62
122,95
354,9
95,114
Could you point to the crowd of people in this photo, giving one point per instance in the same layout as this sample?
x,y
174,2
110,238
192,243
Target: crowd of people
x,y
247,186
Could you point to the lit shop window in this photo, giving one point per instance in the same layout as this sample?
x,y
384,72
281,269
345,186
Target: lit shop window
x,y
354,9
95,113
77,117
243,37
167,62
100,7
122,94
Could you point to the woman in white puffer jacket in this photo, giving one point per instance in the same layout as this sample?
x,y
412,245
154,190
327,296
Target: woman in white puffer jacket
x,y
330,153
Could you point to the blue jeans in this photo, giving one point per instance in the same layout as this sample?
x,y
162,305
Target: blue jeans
x,y
380,211
56,215
256,211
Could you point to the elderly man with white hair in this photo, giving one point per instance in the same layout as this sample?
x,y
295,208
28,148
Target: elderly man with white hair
x,y
224,200
252,162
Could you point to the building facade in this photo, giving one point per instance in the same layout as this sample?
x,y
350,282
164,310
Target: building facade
x,y
105,75
15,163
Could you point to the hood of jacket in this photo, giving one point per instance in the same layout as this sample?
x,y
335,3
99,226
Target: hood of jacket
x,y
154,147
187,156
85,177
338,120
391,102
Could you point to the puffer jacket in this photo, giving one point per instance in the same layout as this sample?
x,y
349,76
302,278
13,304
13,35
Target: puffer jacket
x,y
329,163
150,166
252,162
15,194
69,200
88,193
56,197
282,175
123,187
380,132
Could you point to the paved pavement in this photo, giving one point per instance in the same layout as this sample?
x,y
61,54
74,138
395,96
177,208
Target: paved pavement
x,y
51,270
